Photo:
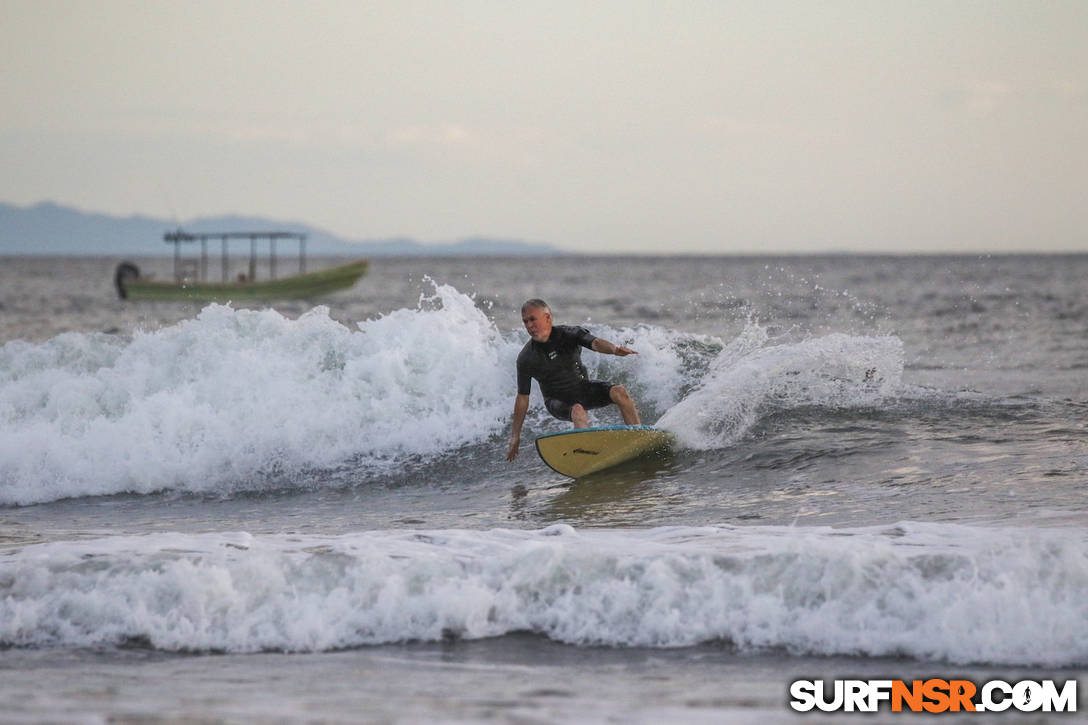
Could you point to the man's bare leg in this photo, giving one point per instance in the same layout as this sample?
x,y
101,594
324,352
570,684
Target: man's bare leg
x,y
579,416
626,403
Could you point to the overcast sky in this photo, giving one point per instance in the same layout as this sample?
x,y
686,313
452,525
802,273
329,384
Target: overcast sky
x,y
608,126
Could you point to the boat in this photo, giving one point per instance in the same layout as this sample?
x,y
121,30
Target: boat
x,y
191,280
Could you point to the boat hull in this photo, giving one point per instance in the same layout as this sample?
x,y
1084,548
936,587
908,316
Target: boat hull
x,y
300,286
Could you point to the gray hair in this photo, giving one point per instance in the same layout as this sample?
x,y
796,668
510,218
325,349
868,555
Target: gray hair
x,y
537,304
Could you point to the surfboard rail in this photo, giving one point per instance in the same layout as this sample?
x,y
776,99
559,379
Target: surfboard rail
x,y
582,451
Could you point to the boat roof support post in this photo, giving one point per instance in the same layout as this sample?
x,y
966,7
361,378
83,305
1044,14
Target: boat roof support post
x,y
177,260
252,258
203,259
302,254
226,267
272,255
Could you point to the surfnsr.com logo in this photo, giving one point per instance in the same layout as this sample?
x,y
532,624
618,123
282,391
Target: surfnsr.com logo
x,y
933,695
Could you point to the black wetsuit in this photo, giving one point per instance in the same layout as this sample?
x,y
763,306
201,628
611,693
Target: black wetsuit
x,y
558,369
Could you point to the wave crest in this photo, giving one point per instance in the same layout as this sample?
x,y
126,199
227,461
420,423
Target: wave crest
x,y
931,591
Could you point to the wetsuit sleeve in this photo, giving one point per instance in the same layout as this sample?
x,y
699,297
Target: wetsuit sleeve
x,y
584,337
525,378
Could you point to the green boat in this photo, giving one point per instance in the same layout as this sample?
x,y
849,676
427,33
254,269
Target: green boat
x,y
190,281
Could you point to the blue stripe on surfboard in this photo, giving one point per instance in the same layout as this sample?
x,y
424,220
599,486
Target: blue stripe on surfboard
x,y
600,427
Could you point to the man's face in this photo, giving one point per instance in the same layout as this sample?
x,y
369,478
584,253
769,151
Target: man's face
x,y
538,323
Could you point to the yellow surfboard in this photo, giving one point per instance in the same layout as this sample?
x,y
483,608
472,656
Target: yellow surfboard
x,y
583,451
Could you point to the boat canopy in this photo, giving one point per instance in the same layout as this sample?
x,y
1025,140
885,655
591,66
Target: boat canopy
x,y
182,271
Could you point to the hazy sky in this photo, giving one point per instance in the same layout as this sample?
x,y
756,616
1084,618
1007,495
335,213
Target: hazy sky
x,y
701,126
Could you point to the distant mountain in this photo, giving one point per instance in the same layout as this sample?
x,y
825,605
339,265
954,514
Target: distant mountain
x,y
49,228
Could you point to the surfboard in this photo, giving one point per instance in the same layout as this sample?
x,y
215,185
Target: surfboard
x,y
583,451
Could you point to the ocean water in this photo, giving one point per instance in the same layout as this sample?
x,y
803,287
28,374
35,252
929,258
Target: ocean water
x,y
303,512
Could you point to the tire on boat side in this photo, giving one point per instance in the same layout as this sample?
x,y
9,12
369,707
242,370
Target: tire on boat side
x,y
125,271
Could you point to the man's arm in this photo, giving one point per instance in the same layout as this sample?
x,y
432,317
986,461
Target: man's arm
x,y
607,348
521,407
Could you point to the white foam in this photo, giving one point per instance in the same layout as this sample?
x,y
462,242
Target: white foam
x,y
235,394
667,366
933,591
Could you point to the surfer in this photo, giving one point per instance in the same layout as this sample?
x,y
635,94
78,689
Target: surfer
x,y
553,356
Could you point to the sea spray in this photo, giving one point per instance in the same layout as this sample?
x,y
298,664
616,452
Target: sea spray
x,y
750,380
669,364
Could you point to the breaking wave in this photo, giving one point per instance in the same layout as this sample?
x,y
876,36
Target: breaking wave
x,y
928,591
248,399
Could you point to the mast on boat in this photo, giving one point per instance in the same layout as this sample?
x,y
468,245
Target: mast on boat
x,y
179,237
